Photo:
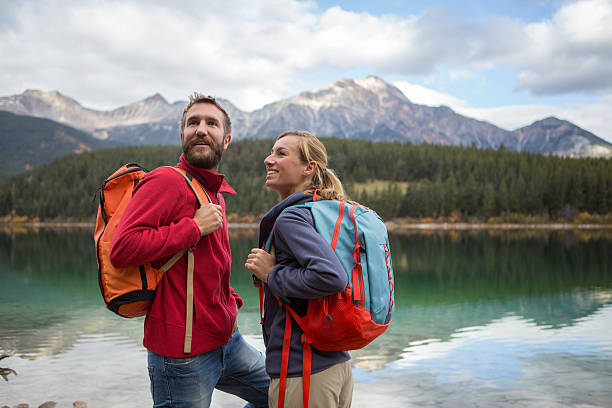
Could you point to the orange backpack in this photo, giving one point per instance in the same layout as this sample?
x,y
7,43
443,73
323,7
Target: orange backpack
x,y
130,291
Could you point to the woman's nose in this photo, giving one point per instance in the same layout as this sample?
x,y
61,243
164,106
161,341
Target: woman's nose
x,y
268,160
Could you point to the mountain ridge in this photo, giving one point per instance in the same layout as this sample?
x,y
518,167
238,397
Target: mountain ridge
x,y
368,108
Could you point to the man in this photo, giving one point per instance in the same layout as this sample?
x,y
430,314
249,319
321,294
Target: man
x,y
162,219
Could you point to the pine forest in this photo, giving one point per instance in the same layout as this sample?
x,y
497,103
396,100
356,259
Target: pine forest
x,y
395,179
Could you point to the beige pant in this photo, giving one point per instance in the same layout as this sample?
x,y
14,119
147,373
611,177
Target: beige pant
x,y
331,388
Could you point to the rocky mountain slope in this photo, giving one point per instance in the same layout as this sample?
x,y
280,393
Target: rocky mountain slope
x,y
60,108
369,108
561,137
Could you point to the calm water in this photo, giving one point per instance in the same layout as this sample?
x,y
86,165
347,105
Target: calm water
x,y
521,319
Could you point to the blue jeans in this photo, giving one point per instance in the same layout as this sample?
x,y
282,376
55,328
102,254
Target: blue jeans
x,y
236,368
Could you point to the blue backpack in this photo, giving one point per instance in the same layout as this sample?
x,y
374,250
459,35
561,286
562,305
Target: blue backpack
x,y
351,319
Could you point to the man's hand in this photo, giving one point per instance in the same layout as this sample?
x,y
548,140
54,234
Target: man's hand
x,y
261,263
208,218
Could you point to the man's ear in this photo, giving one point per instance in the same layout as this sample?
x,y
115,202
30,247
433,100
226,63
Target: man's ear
x,y
226,141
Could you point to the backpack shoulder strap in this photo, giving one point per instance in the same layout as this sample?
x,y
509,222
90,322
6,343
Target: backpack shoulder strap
x,y
196,187
203,199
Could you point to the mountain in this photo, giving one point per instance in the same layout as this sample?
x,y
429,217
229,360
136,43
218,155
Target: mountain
x,y
368,108
60,108
27,142
372,109
152,121
560,137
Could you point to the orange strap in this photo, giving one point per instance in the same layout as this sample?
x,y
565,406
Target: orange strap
x,y
334,241
259,284
284,361
358,292
306,362
387,256
261,298
197,188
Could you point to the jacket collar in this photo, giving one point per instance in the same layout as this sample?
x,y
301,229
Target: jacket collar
x,y
268,220
214,182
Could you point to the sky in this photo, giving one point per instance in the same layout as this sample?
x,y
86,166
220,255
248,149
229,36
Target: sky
x,y
508,62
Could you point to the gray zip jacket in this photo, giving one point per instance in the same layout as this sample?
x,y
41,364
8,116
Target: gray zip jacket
x,y
306,268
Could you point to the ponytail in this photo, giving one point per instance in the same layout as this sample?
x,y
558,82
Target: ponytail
x,y
324,180
328,186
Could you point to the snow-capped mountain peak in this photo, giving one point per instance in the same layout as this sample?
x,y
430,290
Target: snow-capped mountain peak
x,y
368,108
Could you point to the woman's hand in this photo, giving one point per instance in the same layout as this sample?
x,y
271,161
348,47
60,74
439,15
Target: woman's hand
x,y
261,263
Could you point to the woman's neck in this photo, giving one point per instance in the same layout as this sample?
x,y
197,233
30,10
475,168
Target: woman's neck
x,y
304,186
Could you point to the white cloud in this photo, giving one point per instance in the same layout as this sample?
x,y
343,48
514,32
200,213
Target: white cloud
x,y
510,329
426,96
572,52
106,54
103,53
95,51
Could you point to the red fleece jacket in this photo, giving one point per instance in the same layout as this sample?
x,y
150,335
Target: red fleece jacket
x,y
158,223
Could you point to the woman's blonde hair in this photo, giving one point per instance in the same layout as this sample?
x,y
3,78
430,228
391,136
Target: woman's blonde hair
x,y
324,179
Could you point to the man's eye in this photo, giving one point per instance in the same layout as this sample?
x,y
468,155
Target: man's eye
x,y
212,123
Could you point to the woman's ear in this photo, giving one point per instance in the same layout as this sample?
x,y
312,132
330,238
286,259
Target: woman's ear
x,y
310,168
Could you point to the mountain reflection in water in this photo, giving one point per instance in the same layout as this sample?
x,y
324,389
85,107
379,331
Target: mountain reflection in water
x,y
499,296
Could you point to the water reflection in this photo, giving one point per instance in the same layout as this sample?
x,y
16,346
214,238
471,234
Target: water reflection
x,y
445,282
475,310
509,362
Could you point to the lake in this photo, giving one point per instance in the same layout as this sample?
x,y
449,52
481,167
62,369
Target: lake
x,y
483,319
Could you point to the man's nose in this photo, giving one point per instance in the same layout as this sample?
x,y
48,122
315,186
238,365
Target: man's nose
x,y
202,129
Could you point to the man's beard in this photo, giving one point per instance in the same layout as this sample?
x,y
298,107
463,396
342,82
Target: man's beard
x,y
209,160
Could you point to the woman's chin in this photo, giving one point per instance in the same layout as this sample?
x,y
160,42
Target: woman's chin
x,y
272,186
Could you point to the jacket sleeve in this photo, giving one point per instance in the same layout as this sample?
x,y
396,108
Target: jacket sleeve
x,y
152,227
307,268
239,301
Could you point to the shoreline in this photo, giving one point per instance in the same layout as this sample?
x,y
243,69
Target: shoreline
x,y
484,226
392,226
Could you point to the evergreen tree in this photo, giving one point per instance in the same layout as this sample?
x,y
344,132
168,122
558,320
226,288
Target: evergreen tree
x,y
440,179
489,200
451,194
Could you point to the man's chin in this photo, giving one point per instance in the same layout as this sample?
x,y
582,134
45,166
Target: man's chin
x,y
206,161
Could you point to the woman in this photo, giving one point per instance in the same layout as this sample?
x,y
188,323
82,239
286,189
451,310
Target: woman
x,y
300,267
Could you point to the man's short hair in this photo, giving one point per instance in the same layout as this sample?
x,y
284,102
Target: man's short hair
x,y
199,98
